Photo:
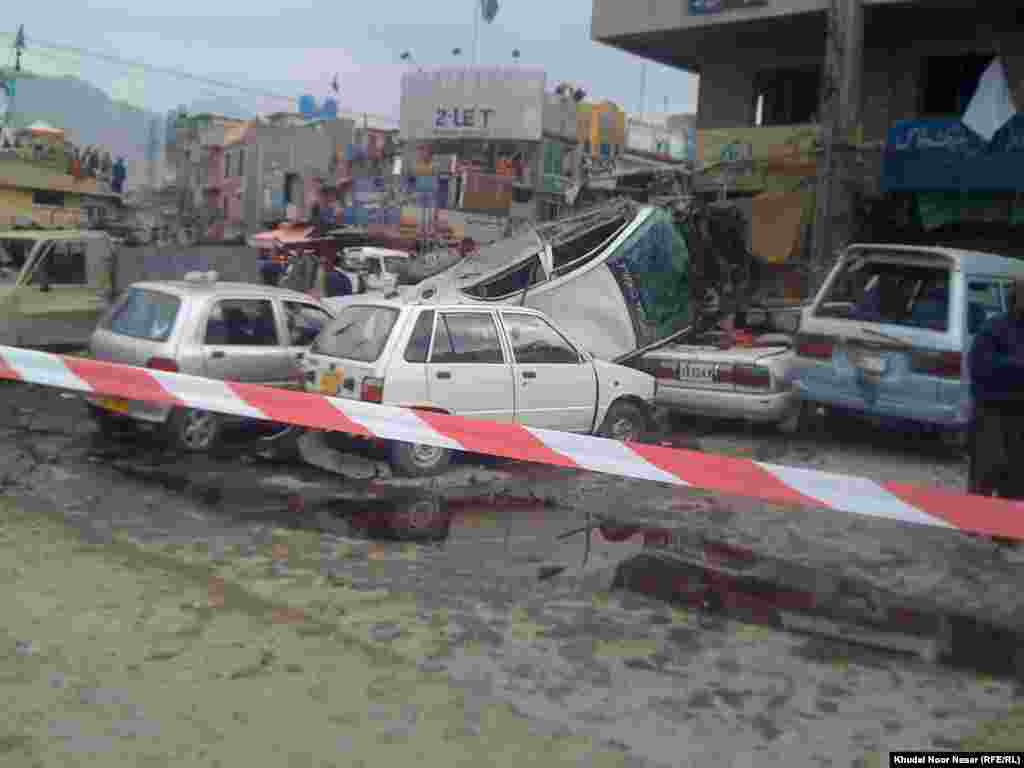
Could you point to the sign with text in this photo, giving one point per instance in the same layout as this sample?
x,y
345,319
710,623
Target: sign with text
x,y
947,156
705,7
495,103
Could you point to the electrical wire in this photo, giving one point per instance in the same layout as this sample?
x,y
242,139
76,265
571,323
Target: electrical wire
x,y
128,65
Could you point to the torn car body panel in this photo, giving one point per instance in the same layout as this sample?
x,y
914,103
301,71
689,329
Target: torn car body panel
x,y
630,262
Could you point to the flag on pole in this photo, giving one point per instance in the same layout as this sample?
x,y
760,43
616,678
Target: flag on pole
x,y
489,9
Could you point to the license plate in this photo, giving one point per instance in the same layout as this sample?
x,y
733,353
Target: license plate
x,y
115,404
698,372
330,382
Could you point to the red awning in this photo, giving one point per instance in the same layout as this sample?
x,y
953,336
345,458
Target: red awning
x,y
283,235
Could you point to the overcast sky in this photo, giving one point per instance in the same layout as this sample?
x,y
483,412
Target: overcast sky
x,y
296,46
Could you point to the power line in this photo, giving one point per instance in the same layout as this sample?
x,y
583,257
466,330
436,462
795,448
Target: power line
x,y
127,64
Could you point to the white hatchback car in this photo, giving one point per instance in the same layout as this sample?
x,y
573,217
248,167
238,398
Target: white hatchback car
x,y
505,364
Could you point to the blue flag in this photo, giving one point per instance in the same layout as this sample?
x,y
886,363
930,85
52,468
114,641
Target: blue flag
x,y
489,9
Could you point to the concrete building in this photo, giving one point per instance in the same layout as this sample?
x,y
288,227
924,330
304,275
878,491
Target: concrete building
x,y
237,177
497,140
761,65
40,183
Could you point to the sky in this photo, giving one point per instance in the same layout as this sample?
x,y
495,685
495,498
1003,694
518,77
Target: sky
x,y
291,47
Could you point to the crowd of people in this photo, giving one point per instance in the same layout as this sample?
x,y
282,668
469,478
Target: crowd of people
x,y
89,162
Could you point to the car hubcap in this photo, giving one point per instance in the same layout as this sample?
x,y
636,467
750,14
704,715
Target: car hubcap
x,y
623,429
199,430
426,455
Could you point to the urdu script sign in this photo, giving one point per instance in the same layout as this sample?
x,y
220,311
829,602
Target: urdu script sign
x,y
704,7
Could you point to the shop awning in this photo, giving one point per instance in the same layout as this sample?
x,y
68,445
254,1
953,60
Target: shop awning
x,y
283,235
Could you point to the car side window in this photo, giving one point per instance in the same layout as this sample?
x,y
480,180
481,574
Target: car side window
x,y
305,322
419,343
242,323
466,337
64,265
535,341
984,301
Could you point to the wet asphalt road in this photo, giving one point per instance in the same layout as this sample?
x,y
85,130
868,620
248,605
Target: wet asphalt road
x,y
666,686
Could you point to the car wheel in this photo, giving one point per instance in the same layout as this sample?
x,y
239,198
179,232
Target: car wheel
x,y
193,431
624,421
418,460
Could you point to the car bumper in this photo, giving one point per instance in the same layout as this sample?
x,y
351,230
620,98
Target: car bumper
x,y
770,408
947,416
135,410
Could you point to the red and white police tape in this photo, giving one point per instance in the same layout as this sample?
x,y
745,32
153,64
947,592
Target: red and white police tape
x,y
740,477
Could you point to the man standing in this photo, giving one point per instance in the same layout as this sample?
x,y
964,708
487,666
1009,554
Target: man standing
x,y
996,367
330,281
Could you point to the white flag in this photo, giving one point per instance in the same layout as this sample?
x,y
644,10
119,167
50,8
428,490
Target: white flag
x,y
992,104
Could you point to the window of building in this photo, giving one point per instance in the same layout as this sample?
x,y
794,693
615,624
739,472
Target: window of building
x,y
948,83
227,165
48,197
787,96
241,162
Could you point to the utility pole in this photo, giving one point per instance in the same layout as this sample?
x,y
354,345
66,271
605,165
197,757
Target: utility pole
x,y
840,121
19,46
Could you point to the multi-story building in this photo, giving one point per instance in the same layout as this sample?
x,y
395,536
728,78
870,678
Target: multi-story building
x,y
761,65
41,182
490,141
239,176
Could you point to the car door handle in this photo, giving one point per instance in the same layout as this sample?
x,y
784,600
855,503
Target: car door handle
x,y
217,354
299,355
529,374
444,374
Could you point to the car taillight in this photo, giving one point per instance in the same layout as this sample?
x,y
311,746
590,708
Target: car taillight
x,y
815,347
747,376
660,370
946,365
372,391
162,364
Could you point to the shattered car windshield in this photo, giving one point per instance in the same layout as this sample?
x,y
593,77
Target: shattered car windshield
x,y
892,293
14,252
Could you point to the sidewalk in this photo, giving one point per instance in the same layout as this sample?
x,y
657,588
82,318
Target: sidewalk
x,y
115,656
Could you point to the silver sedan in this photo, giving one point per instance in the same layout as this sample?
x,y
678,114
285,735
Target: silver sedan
x,y
229,331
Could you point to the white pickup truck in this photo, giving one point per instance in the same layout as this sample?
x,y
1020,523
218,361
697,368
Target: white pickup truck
x,y
500,363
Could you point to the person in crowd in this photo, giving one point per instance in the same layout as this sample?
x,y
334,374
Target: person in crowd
x,y
996,370
330,281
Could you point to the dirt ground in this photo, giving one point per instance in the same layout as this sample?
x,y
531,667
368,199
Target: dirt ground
x,y
170,614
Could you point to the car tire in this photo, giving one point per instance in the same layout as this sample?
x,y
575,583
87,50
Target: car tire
x,y
193,431
416,460
624,421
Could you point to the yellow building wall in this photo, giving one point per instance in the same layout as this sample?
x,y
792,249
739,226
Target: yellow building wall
x,y
588,126
17,203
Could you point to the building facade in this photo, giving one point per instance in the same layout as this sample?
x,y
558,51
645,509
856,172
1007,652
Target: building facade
x,y
42,180
494,140
762,64
238,177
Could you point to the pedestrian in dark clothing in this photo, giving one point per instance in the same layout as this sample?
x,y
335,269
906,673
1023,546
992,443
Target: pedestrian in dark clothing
x,y
996,367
